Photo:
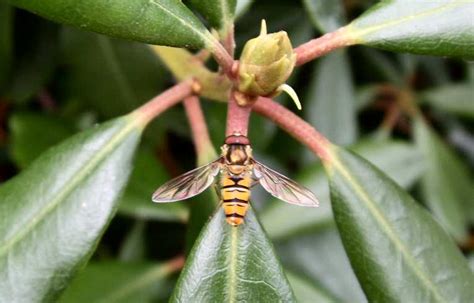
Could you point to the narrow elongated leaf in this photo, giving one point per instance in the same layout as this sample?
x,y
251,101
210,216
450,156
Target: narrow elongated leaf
x,y
446,184
454,98
184,65
398,252
54,212
147,174
402,162
6,43
320,257
133,248
327,16
331,99
144,21
115,282
242,7
232,264
111,76
408,26
43,130
35,58
306,292
219,13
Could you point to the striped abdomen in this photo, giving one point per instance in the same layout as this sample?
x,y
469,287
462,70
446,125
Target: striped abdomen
x,y
235,194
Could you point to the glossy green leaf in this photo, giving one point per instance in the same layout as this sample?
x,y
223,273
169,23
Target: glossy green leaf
x,y
397,250
320,257
144,21
442,28
114,282
54,212
454,98
133,248
110,75
242,6
330,100
402,162
327,16
305,291
146,176
470,259
45,131
232,264
6,43
219,13
446,184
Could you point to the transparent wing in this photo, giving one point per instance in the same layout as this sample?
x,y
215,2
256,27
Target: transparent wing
x,y
282,187
187,185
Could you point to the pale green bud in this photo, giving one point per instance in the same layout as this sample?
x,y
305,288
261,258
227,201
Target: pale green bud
x,y
266,63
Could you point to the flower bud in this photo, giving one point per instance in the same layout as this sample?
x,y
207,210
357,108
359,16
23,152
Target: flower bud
x,y
266,63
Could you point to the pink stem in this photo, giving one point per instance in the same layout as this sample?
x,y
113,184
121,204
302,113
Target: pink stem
x,y
237,117
198,125
321,46
229,42
165,100
295,126
224,59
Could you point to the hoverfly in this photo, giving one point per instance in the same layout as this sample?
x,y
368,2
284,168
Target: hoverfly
x,y
238,172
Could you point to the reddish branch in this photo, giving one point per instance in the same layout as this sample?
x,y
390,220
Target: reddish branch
x,y
321,46
224,59
167,99
175,264
237,117
295,126
198,125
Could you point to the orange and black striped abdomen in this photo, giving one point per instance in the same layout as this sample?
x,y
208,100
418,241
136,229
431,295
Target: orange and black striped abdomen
x,y
235,195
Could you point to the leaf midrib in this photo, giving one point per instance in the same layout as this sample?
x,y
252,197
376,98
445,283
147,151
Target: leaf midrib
x,y
386,227
204,37
362,31
68,189
233,264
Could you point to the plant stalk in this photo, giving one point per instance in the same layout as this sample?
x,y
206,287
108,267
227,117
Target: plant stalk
x,y
202,143
323,45
295,126
165,100
237,117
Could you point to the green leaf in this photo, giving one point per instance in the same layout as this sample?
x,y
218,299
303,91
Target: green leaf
x,y
305,291
6,43
327,16
320,257
54,212
110,75
33,133
146,176
133,248
114,282
36,57
442,28
330,100
144,21
232,264
219,13
446,185
453,98
242,7
398,252
402,162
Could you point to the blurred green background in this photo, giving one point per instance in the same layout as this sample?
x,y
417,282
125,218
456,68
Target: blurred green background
x,y
57,80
